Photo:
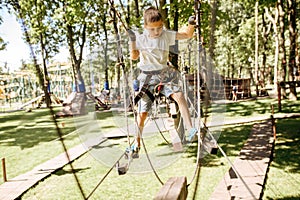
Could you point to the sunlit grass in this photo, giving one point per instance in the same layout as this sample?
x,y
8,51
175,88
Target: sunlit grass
x,y
284,176
28,139
142,185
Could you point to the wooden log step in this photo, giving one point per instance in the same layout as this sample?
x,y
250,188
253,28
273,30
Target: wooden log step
x,y
174,189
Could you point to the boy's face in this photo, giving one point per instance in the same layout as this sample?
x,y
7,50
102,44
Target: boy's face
x,y
154,29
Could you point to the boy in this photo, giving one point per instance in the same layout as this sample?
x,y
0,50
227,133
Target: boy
x,y
152,47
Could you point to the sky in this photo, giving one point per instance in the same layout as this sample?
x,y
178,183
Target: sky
x,y
16,49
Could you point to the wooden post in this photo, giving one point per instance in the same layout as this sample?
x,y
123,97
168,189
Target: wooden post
x,y
4,170
174,189
273,122
279,97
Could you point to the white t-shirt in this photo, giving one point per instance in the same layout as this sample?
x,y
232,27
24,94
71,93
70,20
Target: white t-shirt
x,y
154,52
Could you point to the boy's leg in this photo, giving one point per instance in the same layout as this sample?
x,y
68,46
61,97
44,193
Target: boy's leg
x,y
135,148
140,125
184,111
183,108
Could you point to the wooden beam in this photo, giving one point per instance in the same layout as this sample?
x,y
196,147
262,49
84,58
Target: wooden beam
x,y
174,189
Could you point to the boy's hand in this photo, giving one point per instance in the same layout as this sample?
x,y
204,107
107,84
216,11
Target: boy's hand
x,y
192,20
131,35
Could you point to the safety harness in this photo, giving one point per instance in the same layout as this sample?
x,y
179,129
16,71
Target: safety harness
x,y
145,88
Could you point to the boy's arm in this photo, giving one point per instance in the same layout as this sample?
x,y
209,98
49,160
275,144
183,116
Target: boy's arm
x,y
134,53
187,32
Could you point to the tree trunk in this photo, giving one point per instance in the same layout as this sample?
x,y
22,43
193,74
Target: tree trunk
x,y
297,59
213,29
266,31
281,15
76,61
137,14
120,62
256,48
164,13
232,65
104,21
174,49
292,60
274,22
46,78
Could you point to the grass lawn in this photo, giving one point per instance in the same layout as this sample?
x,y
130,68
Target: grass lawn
x,y
284,176
29,139
141,185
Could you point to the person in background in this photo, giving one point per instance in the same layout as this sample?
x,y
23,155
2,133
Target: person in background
x,y
234,92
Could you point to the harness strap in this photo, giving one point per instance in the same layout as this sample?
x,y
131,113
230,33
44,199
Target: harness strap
x,y
144,91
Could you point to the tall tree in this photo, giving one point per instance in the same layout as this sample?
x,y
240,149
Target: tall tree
x,y
38,17
274,21
292,56
164,12
256,49
281,15
75,24
265,34
214,7
174,49
34,32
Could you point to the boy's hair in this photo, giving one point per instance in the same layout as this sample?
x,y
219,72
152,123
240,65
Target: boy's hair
x,y
152,15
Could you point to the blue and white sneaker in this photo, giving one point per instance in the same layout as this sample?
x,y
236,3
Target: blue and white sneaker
x,y
134,150
192,135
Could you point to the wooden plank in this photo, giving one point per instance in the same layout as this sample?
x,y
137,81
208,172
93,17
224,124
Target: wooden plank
x,y
30,102
289,83
174,189
175,139
252,165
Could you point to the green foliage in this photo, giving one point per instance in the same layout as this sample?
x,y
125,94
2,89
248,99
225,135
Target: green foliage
x,y
2,42
38,17
78,24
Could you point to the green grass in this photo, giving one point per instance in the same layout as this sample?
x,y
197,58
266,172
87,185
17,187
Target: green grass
x,y
29,139
141,185
284,176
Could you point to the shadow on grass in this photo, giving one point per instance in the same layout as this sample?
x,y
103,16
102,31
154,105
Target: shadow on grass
x,y
290,106
249,108
231,141
287,150
69,171
28,129
261,106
